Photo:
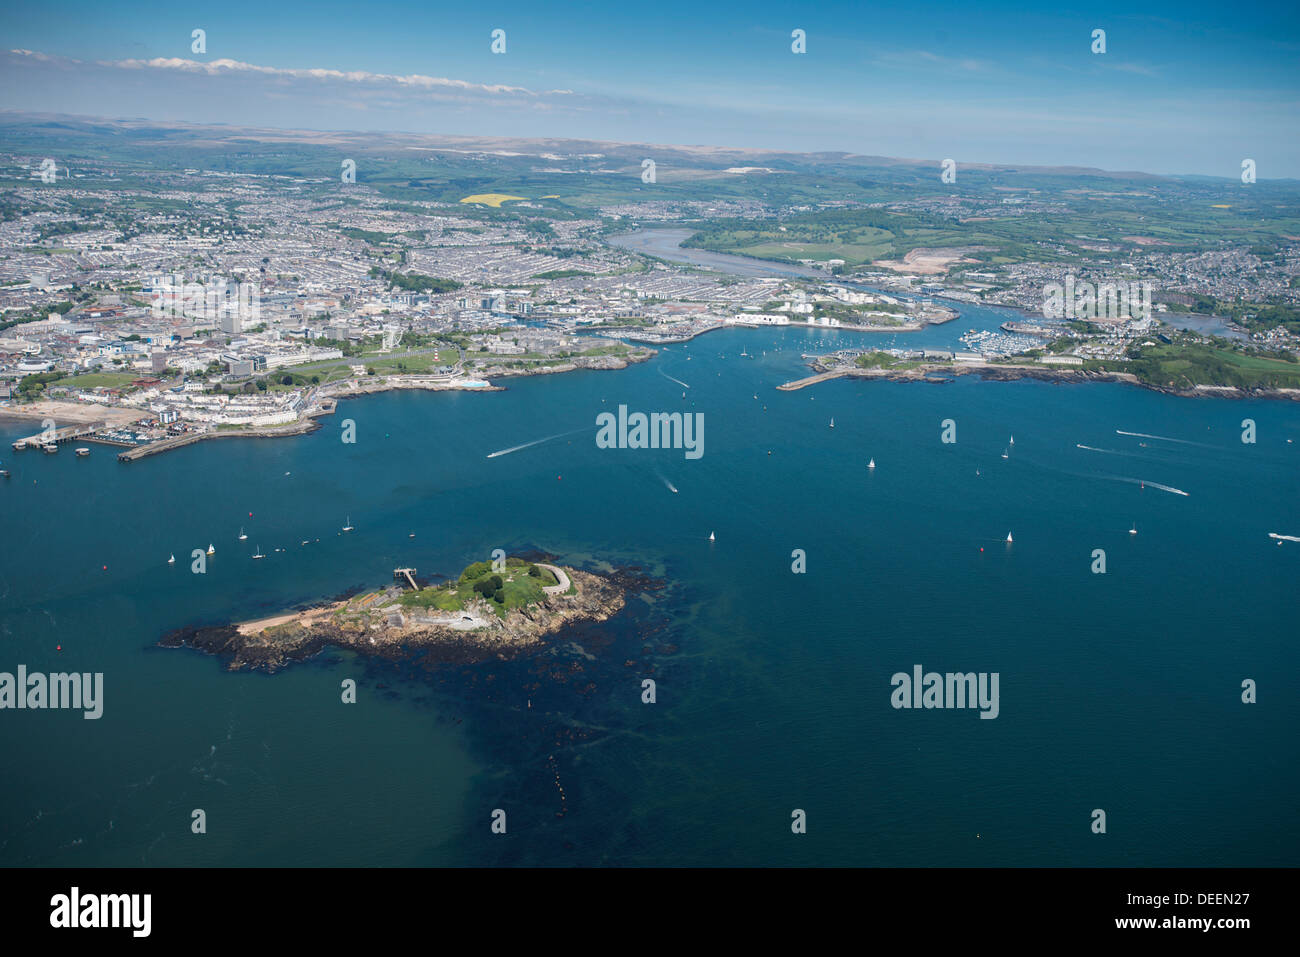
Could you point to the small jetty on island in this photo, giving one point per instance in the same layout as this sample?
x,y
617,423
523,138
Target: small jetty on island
x,y
491,610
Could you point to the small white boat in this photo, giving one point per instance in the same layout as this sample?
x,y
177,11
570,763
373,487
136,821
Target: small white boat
x,y
258,553
172,560
211,550
348,526
1134,529
871,464
711,537
1008,538
83,452
1013,440
242,536
1006,453
832,423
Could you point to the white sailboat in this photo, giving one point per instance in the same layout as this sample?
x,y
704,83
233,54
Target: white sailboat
x,y
1009,538
172,560
871,464
348,526
1006,453
1013,440
711,537
832,422
258,553
242,536
1134,529
211,550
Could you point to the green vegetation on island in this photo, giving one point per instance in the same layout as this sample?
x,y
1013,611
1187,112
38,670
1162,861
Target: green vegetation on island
x,y
519,584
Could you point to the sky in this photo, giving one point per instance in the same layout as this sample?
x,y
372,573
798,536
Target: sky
x,y
1182,88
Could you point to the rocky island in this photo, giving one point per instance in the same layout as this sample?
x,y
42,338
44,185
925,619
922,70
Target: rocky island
x,y
492,610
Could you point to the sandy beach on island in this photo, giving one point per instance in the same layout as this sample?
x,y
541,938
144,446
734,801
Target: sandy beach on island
x,y
310,616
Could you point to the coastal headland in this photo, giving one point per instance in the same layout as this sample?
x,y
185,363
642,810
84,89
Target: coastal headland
x,y
940,372
322,401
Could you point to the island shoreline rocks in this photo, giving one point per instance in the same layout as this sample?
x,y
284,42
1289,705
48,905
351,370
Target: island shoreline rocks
x,y
473,634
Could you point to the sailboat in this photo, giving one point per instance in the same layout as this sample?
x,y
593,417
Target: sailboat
x,y
711,537
211,550
348,526
832,422
1013,440
871,464
1006,453
1008,538
242,536
258,553
1134,529
172,560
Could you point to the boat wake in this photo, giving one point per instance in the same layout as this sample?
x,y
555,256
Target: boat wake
x,y
1163,438
1146,482
1093,448
526,445
668,485
671,379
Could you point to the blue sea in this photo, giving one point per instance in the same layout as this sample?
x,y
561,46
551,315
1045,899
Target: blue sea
x,y
1119,691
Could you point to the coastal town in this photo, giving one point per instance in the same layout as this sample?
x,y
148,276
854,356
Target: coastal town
x,y
205,303
188,326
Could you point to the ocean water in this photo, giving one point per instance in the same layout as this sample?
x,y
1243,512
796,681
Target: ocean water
x,y
1119,691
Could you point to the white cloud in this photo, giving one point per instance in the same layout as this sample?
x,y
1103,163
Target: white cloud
x,y
226,67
